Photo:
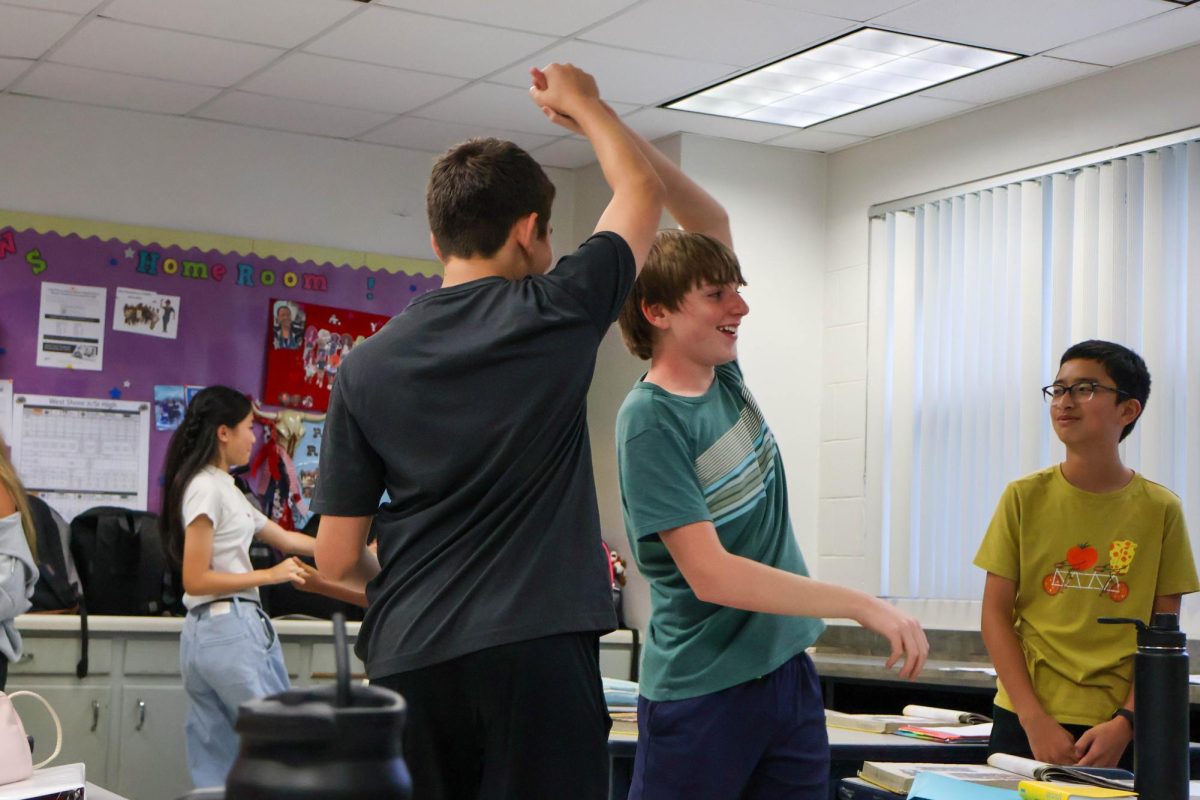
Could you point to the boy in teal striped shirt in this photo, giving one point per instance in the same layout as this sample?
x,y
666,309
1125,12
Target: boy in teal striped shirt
x,y
730,704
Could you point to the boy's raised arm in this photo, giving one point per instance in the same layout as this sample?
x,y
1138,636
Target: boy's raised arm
x,y
636,204
692,207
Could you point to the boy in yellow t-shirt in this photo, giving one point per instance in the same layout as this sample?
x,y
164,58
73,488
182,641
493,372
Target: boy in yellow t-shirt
x,y
1083,539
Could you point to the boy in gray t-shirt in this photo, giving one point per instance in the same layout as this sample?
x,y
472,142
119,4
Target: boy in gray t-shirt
x,y
730,704
491,587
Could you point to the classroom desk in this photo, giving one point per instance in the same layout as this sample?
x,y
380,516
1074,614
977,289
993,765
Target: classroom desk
x,y
848,749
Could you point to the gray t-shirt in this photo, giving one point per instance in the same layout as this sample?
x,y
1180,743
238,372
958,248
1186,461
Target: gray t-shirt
x,y
694,459
469,408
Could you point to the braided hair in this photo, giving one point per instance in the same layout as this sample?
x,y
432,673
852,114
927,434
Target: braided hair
x,y
193,447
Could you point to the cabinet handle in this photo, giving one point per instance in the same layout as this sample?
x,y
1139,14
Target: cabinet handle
x,y
141,708
95,715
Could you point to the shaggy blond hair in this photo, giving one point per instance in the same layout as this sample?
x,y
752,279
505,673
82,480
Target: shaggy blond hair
x,y
9,482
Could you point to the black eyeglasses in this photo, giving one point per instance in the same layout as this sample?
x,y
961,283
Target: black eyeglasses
x,y
1080,392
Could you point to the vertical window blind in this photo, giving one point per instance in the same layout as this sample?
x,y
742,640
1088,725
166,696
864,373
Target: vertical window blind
x,y
973,300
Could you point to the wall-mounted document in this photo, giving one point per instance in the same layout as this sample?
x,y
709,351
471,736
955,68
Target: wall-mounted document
x,y
77,452
71,327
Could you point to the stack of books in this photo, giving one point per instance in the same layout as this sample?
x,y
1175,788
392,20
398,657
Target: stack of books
x,y
621,698
1021,777
911,718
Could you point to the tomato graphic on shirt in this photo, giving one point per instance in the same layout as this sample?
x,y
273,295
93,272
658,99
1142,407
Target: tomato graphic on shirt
x,y
1082,557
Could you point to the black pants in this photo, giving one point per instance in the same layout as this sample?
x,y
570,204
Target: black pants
x,y
1009,737
514,722
3,672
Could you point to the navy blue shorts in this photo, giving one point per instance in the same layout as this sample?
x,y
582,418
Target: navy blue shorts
x,y
759,740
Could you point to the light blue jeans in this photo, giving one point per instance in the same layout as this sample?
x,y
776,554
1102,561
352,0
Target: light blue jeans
x,y
228,654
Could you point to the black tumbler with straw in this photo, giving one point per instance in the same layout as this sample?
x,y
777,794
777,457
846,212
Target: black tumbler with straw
x,y
329,743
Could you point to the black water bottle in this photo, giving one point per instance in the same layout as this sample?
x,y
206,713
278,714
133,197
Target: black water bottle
x,y
1160,682
338,742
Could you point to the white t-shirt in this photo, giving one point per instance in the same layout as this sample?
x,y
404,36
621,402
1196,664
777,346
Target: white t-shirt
x,y
212,493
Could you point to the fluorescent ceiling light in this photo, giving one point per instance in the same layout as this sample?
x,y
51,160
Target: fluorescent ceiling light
x,y
841,76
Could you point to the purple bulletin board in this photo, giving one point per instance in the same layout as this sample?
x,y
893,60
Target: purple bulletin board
x,y
222,321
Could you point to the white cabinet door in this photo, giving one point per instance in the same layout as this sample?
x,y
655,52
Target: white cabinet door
x,y
84,713
153,757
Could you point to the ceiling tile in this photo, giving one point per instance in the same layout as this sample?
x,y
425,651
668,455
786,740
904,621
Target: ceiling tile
x,y
764,32
429,44
1158,34
552,17
654,123
1019,26
568,153
281,23
846,9
1012,80
437,136
10,68
28,33
78,7
111,89
152,53
819,141
285,114
486,105
354,84
628,76
905,112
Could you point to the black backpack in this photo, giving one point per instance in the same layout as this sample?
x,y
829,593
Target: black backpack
x,y
121,565
54,590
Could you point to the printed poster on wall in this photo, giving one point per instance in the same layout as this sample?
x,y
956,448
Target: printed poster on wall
x,y
145,313
305,346
71,327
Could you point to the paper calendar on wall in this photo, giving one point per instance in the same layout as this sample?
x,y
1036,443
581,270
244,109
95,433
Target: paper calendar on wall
x,y
76,453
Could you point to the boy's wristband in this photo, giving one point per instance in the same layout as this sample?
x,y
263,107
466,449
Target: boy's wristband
x,y
1126,713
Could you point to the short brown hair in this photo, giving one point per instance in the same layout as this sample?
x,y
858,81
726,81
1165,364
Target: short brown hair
x,y
478,190
678,262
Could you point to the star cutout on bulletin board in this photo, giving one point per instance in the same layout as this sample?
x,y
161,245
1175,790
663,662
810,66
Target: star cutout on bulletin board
x,y
129,252
114,393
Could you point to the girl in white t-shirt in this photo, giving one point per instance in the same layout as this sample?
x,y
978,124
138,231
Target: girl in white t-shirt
x,y
229,652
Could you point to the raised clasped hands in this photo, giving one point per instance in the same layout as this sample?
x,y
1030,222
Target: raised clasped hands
x,y
559,89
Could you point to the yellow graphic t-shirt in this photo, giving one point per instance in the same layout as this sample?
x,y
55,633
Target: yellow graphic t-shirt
x,y
1076,556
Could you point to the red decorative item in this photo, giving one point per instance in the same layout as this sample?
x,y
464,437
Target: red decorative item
x,y
305,346
1082,557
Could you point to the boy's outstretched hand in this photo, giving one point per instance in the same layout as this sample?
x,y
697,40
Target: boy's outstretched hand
x,y
904,634
558,89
